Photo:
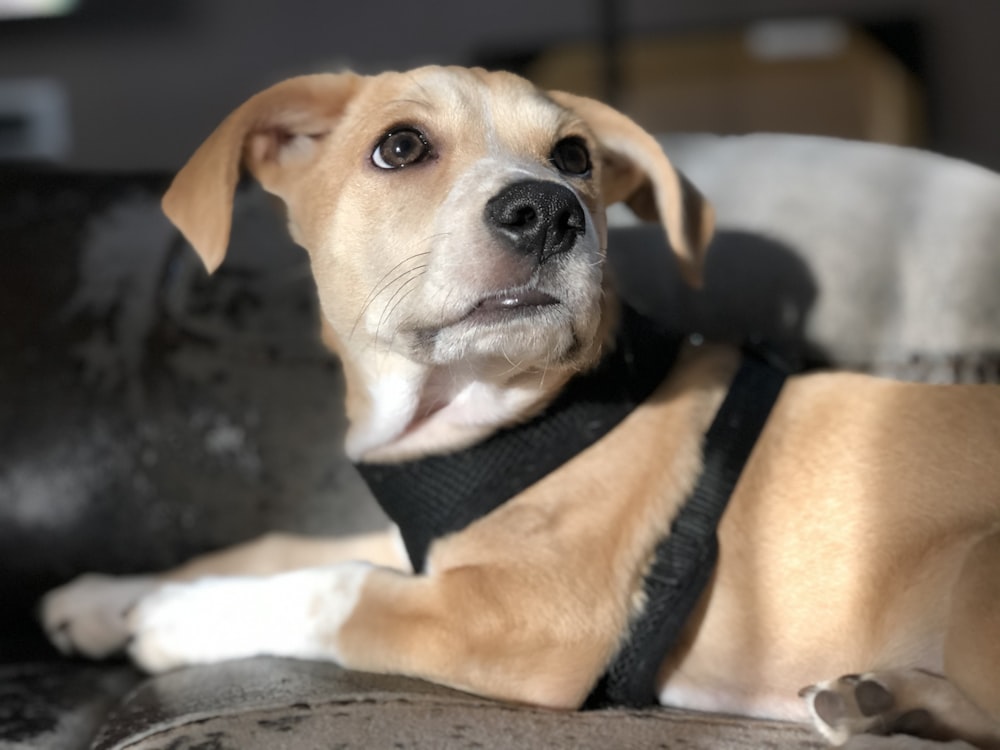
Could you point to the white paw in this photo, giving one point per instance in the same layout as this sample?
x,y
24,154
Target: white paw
x,y
859,704
215,619
87,616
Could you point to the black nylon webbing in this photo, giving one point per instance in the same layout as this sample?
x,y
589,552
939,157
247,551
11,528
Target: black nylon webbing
x,y
685,559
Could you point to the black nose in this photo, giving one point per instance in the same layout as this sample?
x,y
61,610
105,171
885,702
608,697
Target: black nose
x,y
538,218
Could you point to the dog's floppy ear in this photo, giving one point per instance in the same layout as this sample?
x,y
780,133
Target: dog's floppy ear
x,y
271,134
636,171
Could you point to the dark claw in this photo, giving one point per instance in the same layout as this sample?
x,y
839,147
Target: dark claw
x,y
873,698
830,706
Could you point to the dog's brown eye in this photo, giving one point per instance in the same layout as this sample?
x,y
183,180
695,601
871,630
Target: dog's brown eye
x,y
570,155
401,148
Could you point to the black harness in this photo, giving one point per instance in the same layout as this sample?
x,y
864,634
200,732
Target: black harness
x,y
439,495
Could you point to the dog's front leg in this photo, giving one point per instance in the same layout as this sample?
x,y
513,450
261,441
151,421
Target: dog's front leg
x,y
88,616
219,618
466,628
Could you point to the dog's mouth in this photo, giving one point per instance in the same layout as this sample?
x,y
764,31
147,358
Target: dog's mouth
x,y
522,311
510,303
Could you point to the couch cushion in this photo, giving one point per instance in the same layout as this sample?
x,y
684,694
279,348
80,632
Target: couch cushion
x,y
260,704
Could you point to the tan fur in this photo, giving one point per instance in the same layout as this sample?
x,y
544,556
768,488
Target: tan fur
x,y
862,536
279,552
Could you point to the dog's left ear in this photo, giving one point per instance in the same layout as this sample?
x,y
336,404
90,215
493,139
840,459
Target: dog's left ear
x,y
634,170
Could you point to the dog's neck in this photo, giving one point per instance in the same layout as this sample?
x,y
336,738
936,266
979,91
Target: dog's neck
x,y
399,409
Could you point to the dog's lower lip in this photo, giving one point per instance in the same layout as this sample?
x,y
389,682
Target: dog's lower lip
x,y
516,299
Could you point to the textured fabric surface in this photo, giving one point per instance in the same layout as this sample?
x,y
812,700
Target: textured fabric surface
x,y
261,704
58,705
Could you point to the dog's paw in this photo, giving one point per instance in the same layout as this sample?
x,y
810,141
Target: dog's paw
x,y
848,706
902,702
216,619
88,616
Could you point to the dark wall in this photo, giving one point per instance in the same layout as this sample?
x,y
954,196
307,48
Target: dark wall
x,y
147,81
145,89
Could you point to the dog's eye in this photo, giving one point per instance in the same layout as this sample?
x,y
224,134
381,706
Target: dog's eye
x,y
401,148
570,155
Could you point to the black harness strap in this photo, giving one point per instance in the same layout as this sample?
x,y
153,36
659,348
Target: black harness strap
x,y
685,559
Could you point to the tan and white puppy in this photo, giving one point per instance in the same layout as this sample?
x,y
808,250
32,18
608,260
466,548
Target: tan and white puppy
x,y
455,222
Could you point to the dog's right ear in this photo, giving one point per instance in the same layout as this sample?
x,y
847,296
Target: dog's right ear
x,y
271,134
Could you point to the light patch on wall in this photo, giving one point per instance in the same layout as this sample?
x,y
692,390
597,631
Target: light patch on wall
x,y
797,39
34,119
35,8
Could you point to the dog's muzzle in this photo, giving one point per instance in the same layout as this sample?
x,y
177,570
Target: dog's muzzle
x,y
537,219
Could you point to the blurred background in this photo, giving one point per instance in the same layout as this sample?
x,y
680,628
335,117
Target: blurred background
x,y
126,85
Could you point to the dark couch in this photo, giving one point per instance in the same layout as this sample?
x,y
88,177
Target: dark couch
x,y
148,413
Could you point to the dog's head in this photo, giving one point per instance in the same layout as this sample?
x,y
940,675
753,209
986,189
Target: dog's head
x,y
455,222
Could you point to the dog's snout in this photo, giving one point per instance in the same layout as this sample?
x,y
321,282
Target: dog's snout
x,y
538,218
